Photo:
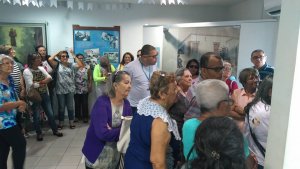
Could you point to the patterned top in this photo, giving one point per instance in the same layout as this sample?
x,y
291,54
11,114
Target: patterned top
x,y
65,82
8,117
37,77
16,75
81,80
149,108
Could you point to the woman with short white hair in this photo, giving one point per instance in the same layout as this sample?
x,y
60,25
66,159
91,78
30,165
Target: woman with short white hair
x,y
10,133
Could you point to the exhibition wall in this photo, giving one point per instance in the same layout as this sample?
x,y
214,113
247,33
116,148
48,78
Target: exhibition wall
x,y
60,20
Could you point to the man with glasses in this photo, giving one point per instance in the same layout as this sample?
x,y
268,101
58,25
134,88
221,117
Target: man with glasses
x,y
258,58
211,66
141,71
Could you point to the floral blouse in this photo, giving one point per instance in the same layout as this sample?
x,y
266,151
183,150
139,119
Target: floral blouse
x,y
81,81
65,82
7,94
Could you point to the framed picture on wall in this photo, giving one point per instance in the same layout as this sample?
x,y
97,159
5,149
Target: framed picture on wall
x,y
23,37
95,42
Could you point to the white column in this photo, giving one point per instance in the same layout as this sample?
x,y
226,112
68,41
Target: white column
x,y
283,147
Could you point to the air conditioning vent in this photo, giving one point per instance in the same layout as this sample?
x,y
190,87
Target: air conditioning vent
x,y
272,7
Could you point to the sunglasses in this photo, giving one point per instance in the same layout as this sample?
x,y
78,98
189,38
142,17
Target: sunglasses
x,y
216,69
193,67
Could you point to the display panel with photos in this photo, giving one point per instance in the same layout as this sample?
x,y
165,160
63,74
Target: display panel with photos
x,y
95,42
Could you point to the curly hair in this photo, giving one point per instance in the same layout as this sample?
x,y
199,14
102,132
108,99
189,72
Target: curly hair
x,y
159,82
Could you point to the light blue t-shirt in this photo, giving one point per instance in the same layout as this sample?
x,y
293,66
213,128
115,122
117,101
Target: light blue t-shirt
x,y
188,135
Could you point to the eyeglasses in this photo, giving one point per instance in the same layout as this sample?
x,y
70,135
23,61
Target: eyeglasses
x,y
253,78
216,69
193,67
153,56
229,101
257,57
7,63
227,68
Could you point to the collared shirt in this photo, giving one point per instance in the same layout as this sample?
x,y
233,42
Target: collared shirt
x,y
265,70
140,80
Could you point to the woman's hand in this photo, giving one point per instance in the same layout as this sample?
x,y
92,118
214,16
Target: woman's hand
x,y
21,105
251,161
108,127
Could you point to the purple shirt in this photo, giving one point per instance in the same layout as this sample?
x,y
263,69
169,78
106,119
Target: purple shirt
x,y
98,133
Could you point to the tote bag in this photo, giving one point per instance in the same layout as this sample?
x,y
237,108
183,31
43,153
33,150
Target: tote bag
x,y
124,137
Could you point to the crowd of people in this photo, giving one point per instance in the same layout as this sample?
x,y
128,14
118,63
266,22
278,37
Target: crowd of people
x,y
194,118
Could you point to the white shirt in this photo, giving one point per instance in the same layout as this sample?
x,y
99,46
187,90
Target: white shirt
x,y
140,80
259,116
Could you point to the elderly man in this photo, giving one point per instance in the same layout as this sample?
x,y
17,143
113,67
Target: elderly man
x,y
213,97
211,66
141,71
258,58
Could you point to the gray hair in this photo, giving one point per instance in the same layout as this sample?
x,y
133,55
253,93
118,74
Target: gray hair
x,y
179,73
115,77
2,56
209,93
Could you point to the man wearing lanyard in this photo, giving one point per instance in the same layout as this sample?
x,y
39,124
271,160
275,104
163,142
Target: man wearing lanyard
x,y
141,71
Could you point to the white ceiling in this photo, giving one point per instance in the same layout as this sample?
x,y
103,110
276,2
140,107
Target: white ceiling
x,y
158,2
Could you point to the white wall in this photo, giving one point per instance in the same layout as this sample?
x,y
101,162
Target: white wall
x,y
257,35
248,10
60,20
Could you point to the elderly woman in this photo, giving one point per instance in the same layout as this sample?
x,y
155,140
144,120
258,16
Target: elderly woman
x,y
194,66
10,133
127,57
178,110
100,145
83,85
184,82
65,85
212,97
152,126
226,77
36,76
257,120
101,73
249,78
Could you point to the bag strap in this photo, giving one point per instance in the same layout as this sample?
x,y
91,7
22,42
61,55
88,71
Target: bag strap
x,y
231,82
259,146
187,166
